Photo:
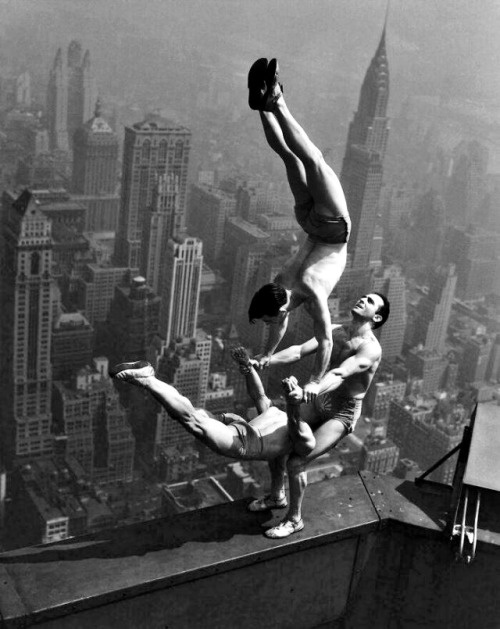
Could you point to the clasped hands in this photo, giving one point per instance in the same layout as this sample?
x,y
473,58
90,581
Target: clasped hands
x,y
299,395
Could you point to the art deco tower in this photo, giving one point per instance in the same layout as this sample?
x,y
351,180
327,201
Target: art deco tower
x,y
57,104
95,155
95,177
27,292
71,95
433,313
361,174
180,290
152,148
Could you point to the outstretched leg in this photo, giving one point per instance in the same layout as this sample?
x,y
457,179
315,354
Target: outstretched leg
x,y
213,433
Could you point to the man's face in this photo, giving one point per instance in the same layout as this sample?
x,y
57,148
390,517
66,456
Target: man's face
x,y
368,306
268,320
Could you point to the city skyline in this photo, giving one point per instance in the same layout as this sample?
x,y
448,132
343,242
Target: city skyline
x,y
149,279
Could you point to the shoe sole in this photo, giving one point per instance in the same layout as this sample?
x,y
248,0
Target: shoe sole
x,y
272,75
139,364
299,528
256,80
267,508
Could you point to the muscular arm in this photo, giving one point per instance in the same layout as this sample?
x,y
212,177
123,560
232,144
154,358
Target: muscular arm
x,y
318,309
276,333
294,353
366,355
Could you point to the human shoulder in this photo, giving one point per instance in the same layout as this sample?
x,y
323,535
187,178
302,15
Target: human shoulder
x,y
369,346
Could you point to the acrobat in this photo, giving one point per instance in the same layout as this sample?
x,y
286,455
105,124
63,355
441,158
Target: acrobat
x,y
310,276
288,441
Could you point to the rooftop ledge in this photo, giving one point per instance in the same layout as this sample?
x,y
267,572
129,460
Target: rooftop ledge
x,y
214,568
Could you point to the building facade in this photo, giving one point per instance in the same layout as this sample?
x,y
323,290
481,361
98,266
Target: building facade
x,y
152,148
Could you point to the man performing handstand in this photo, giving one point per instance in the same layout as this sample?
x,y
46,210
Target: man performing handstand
x,y
320,208
303,432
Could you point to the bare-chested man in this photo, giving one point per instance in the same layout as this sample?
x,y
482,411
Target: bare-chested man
x,y
335,409
321,210
305,431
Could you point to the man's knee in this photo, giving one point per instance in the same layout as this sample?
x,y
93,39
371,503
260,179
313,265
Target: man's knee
x,y
296,464
314,159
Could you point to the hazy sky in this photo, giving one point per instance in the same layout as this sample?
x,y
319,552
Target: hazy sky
x,y
431,43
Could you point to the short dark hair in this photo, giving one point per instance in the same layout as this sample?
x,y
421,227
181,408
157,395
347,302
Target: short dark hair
x,y
267,301
384,310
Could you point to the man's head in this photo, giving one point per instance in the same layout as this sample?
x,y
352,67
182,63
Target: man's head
x,y
268,304
373,307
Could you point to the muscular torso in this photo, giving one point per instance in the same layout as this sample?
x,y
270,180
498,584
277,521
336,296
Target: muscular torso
x,y
344,346
313,272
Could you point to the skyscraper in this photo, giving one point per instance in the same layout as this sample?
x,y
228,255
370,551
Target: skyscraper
x,y
433,313
95,176
361,174
180,289
133,320
208,209
57,104
152,148
27,292
392,284
71,95
163,220
467,183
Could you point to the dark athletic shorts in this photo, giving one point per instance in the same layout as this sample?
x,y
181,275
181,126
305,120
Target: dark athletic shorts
x,y
346,410
250,437
328,231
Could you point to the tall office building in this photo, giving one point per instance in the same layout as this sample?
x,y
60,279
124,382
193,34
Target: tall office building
x,y
71,95
57,104
208,209
95,176
424,241
392,284
98,434
180,289
133,320
27,293
152,148
474,252
95,289
433,313
467,182
362,167
476,358
185,364
72,340
163,220
246,265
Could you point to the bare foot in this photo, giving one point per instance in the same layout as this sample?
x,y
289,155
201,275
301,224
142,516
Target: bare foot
x,y
240,356
137,373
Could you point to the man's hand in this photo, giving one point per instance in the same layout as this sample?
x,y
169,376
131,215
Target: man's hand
x,y
293,393
311,392
261,361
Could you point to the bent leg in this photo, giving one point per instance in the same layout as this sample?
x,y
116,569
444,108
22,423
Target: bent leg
x,y
295,171
277,496
300,432
327,436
